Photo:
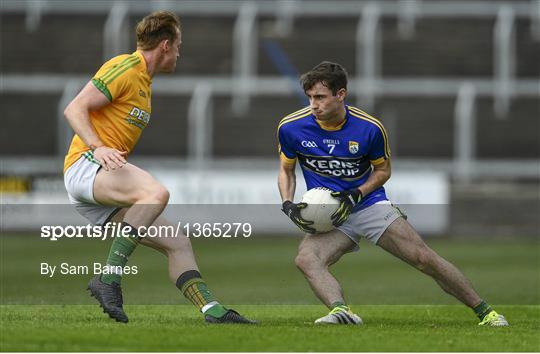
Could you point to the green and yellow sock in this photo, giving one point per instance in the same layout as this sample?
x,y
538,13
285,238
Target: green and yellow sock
x,y
340,305
121,249
482,309
195,290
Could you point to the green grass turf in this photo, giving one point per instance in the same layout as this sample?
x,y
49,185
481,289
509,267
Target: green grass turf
x,y
261,270
282,328
403,309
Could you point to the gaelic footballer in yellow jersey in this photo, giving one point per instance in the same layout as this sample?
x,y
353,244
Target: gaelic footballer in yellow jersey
x,y
126,84
108,117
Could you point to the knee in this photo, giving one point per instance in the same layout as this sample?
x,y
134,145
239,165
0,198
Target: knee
x,y
162,195
424,260
156,194
307,262
177,245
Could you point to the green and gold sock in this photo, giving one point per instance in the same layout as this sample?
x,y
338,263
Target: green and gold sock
x,y
121,249
482,309
195,290
339,304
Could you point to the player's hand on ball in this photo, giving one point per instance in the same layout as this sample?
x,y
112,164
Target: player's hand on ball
x,y
292,210
348,199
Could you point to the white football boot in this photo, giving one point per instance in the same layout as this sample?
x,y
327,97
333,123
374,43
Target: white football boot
x,y
494,319
340,315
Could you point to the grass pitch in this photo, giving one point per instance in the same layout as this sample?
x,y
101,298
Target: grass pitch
x,y
403,310
282,328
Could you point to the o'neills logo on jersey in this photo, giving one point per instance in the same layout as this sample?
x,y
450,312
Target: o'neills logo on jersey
x,y
346,168
138,117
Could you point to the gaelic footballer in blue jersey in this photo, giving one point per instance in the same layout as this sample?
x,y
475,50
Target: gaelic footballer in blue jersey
x,y
339,159
345,149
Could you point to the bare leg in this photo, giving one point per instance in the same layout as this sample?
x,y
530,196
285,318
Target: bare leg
x,y
401,240
316,254
181,260
143,200
131,187
178,250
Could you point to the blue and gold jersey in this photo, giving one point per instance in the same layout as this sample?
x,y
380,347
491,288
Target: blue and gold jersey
x,y
339,158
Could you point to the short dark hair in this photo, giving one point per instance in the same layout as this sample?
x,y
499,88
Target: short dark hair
x,y
156,27
331,75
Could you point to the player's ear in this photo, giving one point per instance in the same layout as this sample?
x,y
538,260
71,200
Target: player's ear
x,y
341,94
164,45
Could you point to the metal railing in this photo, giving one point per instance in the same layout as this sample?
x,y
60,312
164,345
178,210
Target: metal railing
x,y
368,54
64,134
34,11
464,132
115,34
464,165
535,20
342,8
407,17
244,55
245,83
200,127
504,59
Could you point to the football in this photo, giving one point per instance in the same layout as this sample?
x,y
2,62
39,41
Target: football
x,y
320,207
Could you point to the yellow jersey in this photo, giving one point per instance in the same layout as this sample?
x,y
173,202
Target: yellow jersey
x,y
126,84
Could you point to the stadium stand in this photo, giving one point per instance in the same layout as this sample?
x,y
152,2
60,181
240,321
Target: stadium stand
x,y
449,47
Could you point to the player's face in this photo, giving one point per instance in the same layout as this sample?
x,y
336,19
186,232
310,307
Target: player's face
x,y
323,103
171,54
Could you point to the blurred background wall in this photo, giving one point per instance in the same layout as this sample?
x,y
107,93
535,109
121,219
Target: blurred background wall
x,y
456,83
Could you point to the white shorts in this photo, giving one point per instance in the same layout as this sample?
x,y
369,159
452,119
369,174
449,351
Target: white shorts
x,y
79,181
370,222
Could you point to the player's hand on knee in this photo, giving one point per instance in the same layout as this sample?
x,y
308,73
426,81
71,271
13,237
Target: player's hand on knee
x,y
110,158
348,199
292,210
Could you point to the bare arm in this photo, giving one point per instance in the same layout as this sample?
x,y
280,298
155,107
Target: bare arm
x,y
287,186
381,173
286,180
77,114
